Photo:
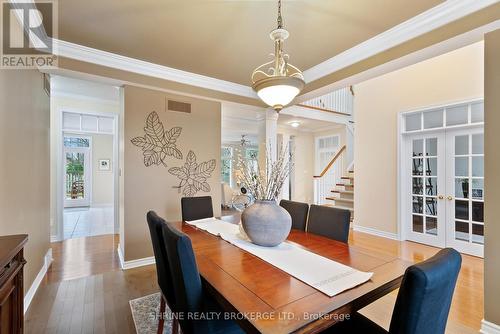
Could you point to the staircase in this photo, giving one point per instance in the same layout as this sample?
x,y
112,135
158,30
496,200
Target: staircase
x,y
335,190
342,196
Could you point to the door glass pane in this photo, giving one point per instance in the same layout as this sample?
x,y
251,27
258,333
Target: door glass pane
x,y
433,119
431,147
477,166
461,145
462,188
431,167
418,204
417,186
478,211
431,225
431,186
431,206
462,166
417,168
413,122
75,187
478,234
457,115
478,144
418,147
462,209
477,112
76,142
461,231
418,224
477,188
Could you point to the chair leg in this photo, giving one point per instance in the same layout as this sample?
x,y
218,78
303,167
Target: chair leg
x,y
175,326
161,320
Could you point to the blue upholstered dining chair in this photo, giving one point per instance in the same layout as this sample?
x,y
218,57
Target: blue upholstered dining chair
x,y
329,222
194,208
298,211
190,297
423,301
155,224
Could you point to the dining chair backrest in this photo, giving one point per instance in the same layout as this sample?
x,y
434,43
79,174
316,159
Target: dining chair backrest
x,y
155,224
329,222
424,299
194,208
186,279
298,211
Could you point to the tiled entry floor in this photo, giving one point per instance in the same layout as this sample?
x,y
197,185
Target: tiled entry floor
x,y
88,221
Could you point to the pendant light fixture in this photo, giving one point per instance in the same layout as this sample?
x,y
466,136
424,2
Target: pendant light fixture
x,y
278,82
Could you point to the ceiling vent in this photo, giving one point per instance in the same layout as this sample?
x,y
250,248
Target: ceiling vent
x,y
178,106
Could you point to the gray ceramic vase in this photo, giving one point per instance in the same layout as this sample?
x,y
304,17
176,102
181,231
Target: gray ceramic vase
x,y
266,223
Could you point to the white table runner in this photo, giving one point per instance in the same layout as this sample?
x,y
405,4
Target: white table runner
x,y
323,274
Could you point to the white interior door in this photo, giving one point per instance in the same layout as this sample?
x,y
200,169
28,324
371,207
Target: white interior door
x,y
425,180
465,190
77,171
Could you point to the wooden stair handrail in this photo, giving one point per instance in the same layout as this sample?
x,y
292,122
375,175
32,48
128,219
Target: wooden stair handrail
x,y
323,109
342,149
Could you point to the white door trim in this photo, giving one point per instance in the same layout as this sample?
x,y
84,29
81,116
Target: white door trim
x,y
402,144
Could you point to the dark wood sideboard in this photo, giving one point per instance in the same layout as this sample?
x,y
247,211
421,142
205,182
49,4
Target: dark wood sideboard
x,y
11,283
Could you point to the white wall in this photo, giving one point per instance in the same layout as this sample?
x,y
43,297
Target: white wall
x,y
102,181
302,177
451,77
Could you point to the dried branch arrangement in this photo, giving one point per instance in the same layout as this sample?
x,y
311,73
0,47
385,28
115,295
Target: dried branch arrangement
x,y
265,184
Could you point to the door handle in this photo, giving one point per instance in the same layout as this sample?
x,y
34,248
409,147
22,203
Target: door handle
x,y
450,198
441,196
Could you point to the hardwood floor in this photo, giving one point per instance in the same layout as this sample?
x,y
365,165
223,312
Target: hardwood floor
x,y
86,292
81,257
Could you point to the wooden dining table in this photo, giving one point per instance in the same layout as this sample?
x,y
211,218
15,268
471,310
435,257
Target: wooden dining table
x,y
265,299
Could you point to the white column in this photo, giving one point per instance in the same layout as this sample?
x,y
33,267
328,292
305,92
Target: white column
x,y
268,136
284,145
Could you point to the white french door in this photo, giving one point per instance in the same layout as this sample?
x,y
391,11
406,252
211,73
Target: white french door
x,y
445,176
77,171
426,178
465,190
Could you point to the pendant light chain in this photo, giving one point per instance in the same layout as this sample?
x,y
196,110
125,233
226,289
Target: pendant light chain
x,y
280,19
278,82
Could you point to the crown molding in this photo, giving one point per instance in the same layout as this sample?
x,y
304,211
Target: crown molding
x,y
425,22
113,60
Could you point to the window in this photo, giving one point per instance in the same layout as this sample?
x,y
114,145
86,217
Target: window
x,y
326,148
456,115
76,142
226,164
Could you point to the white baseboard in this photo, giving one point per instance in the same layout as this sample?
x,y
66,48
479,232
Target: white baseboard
x,y
28,297
134,263
378,233
489,328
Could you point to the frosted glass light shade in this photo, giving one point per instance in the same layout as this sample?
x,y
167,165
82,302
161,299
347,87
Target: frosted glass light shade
x,y
278,92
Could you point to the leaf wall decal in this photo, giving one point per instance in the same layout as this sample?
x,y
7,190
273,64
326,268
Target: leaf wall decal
x,y
157,144
193,177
